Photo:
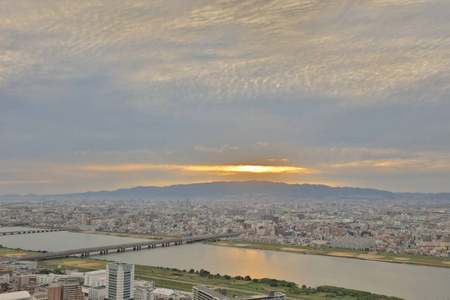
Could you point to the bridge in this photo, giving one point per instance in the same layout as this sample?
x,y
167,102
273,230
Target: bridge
x,y
84,252
28,231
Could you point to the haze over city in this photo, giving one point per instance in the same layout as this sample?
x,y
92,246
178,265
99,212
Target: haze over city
x,y
104,95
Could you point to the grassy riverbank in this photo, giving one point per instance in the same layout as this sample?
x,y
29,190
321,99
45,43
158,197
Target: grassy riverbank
x,y
14,253
379,256
236,286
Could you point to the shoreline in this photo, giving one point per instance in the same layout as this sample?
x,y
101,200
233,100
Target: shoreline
x,y
174,278
122,234
410,259
428,261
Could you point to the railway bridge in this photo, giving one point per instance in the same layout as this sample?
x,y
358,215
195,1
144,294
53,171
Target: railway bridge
x,y
28,231
124,247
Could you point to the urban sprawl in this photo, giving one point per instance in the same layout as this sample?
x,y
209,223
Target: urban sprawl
x,y
408,227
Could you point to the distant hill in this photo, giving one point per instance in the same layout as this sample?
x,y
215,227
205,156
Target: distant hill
x,y
249,189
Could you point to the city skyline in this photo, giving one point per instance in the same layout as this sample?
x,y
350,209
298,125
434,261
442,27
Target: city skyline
x,y
108,95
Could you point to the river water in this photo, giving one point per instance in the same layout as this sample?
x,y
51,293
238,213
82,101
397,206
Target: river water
x,y
406,281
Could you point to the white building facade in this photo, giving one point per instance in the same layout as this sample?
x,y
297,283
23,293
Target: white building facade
x,y
120,281
95,278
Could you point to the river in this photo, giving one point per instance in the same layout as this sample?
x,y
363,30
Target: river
x,y
406,281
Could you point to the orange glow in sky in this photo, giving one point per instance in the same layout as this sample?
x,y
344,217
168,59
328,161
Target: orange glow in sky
x,y
201,168
248,169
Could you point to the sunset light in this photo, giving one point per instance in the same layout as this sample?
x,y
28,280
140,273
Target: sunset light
x,y
177,92
201,168
271,133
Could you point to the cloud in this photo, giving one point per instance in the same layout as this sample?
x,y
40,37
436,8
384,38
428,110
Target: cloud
x,y
221,52
398,165
354,84
216,150
16,182
273,159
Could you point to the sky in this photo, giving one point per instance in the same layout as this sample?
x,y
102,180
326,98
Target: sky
x,y
102,95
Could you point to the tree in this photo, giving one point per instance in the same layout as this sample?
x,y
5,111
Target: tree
x,y
248,278
191,271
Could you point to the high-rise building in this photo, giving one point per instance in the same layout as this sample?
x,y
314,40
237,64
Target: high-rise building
x,y
55,291
120,281
69,290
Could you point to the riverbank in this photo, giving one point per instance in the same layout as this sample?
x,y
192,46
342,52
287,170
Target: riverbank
x,y
353,254
14,253
236,286
130,235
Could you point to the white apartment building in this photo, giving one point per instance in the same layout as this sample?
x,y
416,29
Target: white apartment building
x,y
95,278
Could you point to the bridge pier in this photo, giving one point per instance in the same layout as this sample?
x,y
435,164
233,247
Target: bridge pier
x,y
119,248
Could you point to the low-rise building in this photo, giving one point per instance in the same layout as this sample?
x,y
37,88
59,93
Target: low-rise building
x,y
95,278
22,295
97,293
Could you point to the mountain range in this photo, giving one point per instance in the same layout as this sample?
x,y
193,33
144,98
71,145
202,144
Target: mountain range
x,y
248,189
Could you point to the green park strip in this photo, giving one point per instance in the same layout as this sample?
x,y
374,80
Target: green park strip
x,y
236,286
365,255
15,253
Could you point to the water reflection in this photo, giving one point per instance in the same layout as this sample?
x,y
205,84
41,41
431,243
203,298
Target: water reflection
x,y
407,281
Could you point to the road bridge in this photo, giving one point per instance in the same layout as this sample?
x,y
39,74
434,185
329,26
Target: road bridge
x,y
84,252
28,231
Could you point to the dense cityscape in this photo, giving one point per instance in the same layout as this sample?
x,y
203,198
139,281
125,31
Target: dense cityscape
x,y
411,227
403,227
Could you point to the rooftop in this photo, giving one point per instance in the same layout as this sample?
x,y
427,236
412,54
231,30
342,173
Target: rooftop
x,y
15,295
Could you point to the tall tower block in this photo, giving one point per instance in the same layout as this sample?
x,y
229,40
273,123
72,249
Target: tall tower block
x,y
120,281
